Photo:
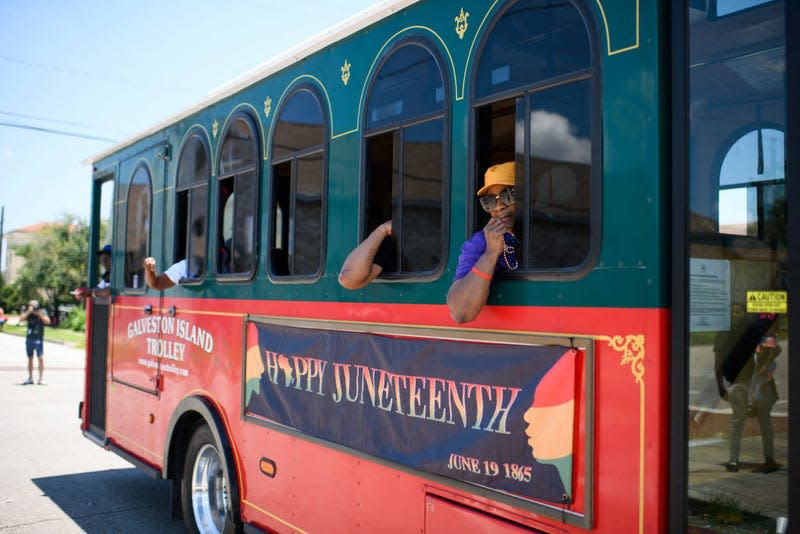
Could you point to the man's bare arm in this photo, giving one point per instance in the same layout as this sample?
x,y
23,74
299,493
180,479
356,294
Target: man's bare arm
x,y
359,269
158,282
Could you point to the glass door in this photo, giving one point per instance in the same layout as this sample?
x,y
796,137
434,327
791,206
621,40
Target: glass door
x,y
738,268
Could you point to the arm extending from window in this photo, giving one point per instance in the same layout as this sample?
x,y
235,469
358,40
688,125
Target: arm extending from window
x,y
158,282
359,268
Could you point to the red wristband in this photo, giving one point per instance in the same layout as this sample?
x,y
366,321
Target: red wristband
x,y
481,274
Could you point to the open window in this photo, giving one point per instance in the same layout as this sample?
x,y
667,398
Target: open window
x,y
137,228
191,205
536,103
237,199
405,173
298,187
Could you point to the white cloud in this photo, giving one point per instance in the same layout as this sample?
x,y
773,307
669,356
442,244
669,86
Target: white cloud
x,y
554,139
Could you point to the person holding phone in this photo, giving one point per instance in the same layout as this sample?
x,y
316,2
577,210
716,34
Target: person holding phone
x,y
37,318
489,251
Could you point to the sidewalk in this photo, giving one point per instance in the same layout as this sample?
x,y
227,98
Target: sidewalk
x,y
760,493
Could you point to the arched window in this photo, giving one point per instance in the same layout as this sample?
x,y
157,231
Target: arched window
x,y
237,199
751,186
406,139
535,102
137,228
191,205
298,187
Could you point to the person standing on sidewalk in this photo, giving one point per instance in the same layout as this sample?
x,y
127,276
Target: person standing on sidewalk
x,y
37,318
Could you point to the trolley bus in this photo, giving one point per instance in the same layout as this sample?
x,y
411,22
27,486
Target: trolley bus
x,y
655,146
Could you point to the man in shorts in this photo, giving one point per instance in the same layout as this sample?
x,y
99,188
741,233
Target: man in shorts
x,y
37,318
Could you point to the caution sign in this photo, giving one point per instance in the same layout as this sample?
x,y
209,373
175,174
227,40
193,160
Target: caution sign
x,y
767,302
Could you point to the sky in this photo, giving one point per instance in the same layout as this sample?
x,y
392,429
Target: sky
x,y
76,77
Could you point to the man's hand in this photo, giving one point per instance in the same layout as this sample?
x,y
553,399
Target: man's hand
x,y
385,228
80,293
493,233
150,265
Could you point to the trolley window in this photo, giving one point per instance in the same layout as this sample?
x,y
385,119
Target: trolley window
x,y
298,187
535,104
405,172
191,205
237,197
137,228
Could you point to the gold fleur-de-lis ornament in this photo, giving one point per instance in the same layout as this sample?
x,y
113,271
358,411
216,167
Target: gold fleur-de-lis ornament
x,y
267,106
346,72
461,23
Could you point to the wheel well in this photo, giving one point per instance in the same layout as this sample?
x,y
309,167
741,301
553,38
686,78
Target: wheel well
x,y
187,415
179,440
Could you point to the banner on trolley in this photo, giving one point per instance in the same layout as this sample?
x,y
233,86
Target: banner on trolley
x,y
497,415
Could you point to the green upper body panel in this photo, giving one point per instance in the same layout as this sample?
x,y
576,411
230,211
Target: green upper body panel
x,y
631,265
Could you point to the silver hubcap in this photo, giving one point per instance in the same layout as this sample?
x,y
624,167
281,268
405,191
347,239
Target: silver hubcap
x,y
209,491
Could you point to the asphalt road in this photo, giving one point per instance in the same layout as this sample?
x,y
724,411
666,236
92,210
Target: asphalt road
x,y
52,479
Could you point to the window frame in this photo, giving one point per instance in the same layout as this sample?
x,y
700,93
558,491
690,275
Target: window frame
x,y
759,186
293,160
594,75
142,285
193,133
399,126
217,176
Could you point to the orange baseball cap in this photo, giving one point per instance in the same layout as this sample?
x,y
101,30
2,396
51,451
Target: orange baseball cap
x,y
502,173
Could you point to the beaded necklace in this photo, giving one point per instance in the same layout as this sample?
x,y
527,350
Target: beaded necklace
x,y
509,249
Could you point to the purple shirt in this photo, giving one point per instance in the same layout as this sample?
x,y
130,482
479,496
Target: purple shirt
x,y
471,251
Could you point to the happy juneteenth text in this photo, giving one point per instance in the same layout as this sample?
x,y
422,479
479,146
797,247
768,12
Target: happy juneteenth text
x,y
480,406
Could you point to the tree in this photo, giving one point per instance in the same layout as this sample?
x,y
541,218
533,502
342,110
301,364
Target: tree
x,y
10,299
55,262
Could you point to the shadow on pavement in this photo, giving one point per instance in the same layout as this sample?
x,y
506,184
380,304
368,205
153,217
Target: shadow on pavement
x,y
115,500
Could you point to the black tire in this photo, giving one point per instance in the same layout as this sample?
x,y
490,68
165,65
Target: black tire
x,y
205,488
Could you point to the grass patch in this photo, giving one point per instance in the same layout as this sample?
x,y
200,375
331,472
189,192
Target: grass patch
x,y
55,335
724,513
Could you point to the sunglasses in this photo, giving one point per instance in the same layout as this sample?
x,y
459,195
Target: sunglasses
x,y
506,196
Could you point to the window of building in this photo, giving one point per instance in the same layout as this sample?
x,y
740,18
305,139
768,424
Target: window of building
x,y
237,199
137,228
191,205
298,187
535,104
751,185
405,144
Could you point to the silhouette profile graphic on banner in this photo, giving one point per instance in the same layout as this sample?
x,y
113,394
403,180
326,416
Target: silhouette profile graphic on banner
x,y
551,417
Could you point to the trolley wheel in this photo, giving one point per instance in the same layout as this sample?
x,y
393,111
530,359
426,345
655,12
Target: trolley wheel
x,y
205,494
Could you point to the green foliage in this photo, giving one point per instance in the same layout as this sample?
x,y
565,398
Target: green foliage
x,y
55,263
75,320
10,298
